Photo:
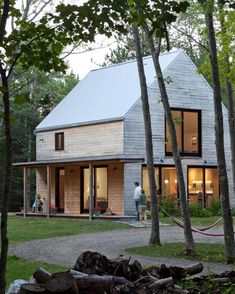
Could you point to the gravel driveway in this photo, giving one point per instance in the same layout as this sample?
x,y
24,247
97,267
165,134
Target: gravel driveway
x,y
65,250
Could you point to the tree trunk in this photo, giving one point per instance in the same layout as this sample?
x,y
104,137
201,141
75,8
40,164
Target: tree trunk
x,y
229,90
219,141
176,156
6,182
155,232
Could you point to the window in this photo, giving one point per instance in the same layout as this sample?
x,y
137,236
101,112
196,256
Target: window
x,y
203,185
166,182
188,132
59,141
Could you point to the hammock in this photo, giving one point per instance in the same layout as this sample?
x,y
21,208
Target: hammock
x,y
195,230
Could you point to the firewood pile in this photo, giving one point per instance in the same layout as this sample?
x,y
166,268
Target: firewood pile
x,y
94,273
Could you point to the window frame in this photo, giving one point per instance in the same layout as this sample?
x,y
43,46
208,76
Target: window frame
x,y
182,153
57,147
203,167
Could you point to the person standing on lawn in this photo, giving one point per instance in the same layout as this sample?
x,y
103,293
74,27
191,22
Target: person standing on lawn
x,y
137,198
142,206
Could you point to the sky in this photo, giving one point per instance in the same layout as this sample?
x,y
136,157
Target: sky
x,y
82,63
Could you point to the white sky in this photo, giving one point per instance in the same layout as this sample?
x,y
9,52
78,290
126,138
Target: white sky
x,y
82,63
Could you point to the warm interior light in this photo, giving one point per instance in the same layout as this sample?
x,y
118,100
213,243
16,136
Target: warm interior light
x,y
166,181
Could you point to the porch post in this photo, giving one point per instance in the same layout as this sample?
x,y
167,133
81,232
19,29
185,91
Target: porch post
x,y
25,191
48,200
91,185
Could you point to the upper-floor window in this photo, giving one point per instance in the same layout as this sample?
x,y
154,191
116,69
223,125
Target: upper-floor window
x,y
188,132
59,141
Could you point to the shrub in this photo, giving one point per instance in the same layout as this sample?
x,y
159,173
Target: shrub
x,y
215,208
169,205
197,210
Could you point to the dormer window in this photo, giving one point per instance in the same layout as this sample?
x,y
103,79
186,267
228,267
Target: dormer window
x,y
59,141
188,132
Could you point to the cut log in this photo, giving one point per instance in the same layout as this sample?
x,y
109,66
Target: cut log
x,y
31,289
193,269
162,283
60,283
84,281
41,275
223,280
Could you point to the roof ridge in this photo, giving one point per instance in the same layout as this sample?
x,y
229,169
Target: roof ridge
x,y
133,60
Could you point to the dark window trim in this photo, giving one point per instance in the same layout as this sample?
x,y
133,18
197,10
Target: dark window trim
x,y
57,147
82,210
57,187
160,166
203,167
182,110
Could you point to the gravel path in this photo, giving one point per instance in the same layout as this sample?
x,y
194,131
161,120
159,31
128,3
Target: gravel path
x,y
65,250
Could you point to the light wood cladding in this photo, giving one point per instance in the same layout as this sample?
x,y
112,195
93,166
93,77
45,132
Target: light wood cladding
x,y
82,141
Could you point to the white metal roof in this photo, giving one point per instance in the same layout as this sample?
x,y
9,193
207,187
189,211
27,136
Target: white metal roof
x,y
104,94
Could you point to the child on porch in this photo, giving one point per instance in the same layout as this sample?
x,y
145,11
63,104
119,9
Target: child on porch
x,y
142,206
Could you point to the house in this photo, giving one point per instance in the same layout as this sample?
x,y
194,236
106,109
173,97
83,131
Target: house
x,y
95,138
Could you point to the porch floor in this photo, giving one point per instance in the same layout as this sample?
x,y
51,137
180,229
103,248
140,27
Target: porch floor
x,y
79,216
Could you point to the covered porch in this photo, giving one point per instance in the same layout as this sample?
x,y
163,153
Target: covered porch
x,y
77,188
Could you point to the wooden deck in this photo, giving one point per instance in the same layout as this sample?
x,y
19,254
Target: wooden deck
x,y
79,216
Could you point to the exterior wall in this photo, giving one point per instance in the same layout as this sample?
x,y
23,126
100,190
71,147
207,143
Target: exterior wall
x,y
72,187
132,173
116,188
187,90
82,141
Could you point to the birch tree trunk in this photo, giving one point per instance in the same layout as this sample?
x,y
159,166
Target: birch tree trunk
x,y
6,182
229,93
219,139
155,232
190,248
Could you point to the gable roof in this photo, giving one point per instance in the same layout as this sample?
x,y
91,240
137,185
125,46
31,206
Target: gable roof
x,y
104,94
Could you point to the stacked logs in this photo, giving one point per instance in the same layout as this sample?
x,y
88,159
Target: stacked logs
x,y
94,273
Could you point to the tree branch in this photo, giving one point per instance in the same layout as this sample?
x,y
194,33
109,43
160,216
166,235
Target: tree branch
x,y
189,36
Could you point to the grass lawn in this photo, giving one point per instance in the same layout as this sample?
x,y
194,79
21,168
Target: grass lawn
x,y
25,229
205,252
197,221
22,269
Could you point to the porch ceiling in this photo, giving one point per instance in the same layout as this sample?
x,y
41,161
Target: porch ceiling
x,y
82,160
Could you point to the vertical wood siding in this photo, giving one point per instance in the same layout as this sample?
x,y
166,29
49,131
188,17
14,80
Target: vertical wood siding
x,y
187,90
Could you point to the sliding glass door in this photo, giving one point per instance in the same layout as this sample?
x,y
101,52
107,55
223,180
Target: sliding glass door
x,y
100,188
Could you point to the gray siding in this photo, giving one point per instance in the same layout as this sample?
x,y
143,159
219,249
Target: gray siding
x,y
187,90
132,173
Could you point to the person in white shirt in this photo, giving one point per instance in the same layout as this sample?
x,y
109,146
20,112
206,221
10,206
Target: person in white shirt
x,y
137,198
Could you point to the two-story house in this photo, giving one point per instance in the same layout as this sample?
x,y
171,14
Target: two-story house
x,y
98,130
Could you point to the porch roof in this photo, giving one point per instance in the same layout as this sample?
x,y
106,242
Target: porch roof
x,y
92,159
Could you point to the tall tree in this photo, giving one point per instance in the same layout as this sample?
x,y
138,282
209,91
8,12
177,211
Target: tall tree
x,y
225,16
219,133
155,233
154,20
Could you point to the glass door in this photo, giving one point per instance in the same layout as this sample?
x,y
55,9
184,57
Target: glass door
x,y
100,192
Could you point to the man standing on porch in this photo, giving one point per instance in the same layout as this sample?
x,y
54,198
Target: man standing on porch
x,y
137,198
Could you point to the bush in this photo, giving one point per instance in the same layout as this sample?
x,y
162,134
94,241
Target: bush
x,y
197,210
215,208
169,205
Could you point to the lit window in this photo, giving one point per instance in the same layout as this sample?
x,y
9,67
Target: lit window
x,y
187,125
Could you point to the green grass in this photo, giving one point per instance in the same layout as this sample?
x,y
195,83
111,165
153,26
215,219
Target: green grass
x,y
196,221
22,269
22,230
204,252
25,229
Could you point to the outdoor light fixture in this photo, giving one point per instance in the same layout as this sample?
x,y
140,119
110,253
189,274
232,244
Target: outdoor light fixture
x,y
166,181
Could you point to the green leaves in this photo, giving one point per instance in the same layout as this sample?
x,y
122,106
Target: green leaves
x,y
22,98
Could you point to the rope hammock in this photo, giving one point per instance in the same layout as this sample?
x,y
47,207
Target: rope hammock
x,y
195,230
